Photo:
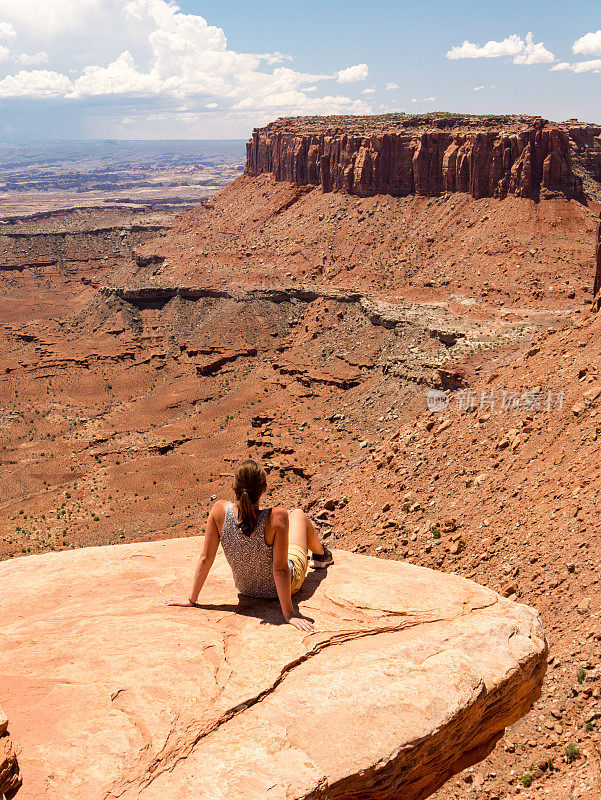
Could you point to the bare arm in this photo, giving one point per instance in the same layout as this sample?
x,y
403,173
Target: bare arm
x,y
281,571
207,557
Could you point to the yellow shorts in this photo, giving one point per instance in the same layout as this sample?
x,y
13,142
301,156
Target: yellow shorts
x,y
299,564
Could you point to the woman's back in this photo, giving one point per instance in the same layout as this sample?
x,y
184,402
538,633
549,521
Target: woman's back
x,y
250,557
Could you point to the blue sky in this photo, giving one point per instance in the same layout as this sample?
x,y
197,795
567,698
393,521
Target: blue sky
x,y
155,69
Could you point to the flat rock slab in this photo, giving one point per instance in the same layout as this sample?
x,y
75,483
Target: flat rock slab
x,y
411,676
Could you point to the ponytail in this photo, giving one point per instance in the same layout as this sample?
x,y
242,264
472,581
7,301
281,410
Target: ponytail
x,y
248,513
250,481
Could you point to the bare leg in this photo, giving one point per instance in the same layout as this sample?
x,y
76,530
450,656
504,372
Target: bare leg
x,y
302,531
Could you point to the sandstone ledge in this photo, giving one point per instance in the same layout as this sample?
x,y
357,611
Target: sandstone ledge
x,y
432,318
411,676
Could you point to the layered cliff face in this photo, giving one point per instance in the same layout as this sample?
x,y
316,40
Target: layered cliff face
x,y
585,143
426,155
597,284
76,245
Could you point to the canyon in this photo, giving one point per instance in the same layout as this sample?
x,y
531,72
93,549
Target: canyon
x,y
96,176
302,315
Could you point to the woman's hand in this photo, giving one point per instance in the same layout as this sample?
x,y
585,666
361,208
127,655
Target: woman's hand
x,y
182,603
301,623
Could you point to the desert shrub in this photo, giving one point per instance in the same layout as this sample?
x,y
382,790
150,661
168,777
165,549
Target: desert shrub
x,y
572,752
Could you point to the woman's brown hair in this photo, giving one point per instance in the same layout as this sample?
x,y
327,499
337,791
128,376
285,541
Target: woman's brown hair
x,y
250,481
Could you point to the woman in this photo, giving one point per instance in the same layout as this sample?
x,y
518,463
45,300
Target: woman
x,y
266,549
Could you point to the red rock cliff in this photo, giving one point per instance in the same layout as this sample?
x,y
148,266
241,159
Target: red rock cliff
x,y
597,285
585,141
425,155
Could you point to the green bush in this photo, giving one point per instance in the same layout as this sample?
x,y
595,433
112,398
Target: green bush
x,y
526,780
572,752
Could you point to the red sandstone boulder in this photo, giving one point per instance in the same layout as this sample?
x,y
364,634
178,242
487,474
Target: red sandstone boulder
x,y
10,777
410,676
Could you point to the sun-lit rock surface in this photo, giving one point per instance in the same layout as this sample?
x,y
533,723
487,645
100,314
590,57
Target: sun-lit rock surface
x,y
410,676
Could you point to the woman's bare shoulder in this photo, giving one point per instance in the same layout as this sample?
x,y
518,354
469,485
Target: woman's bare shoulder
x,y
218,510
220,505
279,516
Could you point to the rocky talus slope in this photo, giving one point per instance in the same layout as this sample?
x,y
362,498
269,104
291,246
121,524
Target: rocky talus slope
x,y
501,487
427,155
120,695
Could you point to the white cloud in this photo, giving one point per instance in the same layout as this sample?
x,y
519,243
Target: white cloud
x,y
40,83
358,72
295,101
120,77
4,53
479,88
534,53
370,90
522,51
47,20
594,65
275,58
136,49
391,86
7,32
510,46
588,45
423,100
32,59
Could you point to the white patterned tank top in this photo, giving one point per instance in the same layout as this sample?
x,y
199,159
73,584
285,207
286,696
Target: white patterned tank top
x,y
249,557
